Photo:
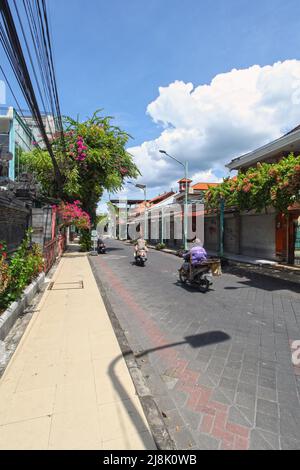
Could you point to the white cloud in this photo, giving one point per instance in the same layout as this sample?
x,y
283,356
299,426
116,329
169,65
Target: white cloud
x,y
208,125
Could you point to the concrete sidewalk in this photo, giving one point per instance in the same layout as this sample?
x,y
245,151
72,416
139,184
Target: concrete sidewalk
x,y
67,385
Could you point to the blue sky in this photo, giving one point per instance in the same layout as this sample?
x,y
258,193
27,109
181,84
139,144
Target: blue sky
x,y
116,54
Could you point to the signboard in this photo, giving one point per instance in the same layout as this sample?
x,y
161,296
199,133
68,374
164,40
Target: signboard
x,y
94,233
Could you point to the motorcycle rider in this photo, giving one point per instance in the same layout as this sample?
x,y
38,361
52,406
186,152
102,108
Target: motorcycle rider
x,y
100,243
140,244
197,254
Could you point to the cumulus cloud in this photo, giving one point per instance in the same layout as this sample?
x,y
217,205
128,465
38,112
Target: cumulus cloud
x,y
209,125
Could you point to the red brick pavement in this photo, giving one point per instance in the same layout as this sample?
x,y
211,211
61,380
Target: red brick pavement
x,y
215,416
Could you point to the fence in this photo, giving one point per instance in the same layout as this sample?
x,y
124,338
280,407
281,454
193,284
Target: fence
x,y
53,250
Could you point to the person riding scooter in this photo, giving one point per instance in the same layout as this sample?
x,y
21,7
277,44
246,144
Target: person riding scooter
x,y
140,244
101,248
196,255
140,247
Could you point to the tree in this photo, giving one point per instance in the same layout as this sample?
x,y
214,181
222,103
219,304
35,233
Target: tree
x,y
267,185
91,157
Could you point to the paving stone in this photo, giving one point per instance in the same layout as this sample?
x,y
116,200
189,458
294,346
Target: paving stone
x,y
173,419
289,444
246,388
289,423
208,380
231,384
245,400
191,419
183,438
234,364
258,442
267,407
221,397
267,383
229,394
179,397
267,393
248,413
235,416
248,378
267,422
165,403
231,373
206,442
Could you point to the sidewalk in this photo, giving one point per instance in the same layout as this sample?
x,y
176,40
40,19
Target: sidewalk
x,y
67,386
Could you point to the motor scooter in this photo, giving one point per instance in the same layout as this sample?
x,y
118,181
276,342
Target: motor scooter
x,y
141,258
101,248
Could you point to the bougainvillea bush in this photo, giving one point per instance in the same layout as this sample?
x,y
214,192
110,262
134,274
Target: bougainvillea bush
x,y
4,274
17,272
267,185
91,157
72,214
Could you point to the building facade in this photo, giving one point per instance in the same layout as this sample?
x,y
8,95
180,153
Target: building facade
x,y
15,137
279,233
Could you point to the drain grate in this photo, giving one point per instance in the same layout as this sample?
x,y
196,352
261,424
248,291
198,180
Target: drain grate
x,y
66,285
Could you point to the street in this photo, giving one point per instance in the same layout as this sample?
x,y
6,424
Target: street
x,y
219,364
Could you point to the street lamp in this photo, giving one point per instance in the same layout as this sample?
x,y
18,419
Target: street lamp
x,y
143,187
185,166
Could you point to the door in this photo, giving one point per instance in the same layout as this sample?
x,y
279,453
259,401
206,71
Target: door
x,y
281,237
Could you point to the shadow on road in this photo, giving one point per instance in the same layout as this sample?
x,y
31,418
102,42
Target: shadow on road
x,y
195,341
264,282
191,288
110,248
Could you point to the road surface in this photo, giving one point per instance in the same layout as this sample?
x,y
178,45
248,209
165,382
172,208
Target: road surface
x,y
219,364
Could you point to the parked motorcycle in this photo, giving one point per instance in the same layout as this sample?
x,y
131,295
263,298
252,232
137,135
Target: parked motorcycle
x,y
141,257
200,275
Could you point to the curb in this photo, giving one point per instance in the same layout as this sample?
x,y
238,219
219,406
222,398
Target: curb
x,y
273,273
11,314
157,426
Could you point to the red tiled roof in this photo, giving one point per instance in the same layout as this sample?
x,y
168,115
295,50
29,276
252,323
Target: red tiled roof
x,y
204,186
184,180
161,197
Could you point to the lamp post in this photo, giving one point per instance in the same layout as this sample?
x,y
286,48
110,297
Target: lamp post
x,y
222,209
185,166
143,187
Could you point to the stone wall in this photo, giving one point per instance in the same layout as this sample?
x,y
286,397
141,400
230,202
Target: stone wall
x,y
258,235
247,234
42,225
14,221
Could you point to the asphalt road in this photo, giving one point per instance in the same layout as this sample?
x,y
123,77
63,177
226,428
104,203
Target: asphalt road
x,y
218,363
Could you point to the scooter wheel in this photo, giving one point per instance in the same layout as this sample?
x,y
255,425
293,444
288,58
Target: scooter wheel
x,y
182,277
204,286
